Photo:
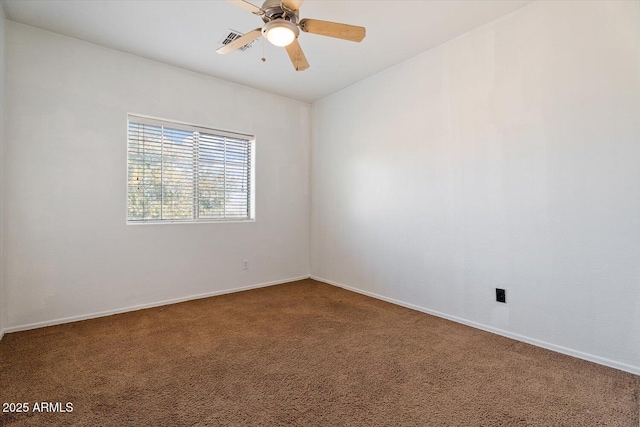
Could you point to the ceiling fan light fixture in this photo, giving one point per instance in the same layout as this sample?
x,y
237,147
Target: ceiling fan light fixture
x,y
280,32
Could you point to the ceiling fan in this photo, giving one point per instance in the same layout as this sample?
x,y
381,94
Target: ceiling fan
x,y
282,27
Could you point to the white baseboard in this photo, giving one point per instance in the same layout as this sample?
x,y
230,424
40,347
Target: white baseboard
x,y
553,347
143,306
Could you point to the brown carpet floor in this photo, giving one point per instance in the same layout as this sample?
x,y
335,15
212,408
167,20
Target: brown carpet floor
x,y
303,353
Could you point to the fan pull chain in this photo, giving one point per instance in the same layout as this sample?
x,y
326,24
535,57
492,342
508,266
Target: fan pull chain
x,y
263,58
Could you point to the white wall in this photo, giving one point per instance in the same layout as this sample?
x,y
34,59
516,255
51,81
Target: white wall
x,y
509,157
2,66
68,250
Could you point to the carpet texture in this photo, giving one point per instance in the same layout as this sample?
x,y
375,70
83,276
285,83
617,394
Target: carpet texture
x,y
303,353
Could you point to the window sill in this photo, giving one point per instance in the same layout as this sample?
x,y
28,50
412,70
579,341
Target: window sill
x,y
206,221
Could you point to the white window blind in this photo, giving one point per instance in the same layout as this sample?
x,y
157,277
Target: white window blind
x,y
179,172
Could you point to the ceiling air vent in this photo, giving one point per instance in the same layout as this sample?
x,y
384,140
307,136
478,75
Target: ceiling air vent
x,y
231,35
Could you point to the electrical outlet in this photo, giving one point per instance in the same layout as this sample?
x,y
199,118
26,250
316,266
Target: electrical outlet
x,y
501,295
245,264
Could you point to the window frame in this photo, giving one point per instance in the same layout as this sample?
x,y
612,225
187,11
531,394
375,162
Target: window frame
x,y
185,126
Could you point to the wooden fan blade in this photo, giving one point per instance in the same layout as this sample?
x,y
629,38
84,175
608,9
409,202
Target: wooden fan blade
x,y
292,4
297,56
240,41
333,29
246,5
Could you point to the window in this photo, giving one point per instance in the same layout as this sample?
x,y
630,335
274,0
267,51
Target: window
x,y
179,172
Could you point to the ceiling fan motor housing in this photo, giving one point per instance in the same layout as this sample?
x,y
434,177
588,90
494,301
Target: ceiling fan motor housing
x,y
273,9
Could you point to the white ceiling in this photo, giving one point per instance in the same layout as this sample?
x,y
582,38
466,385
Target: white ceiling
x,y
187,33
